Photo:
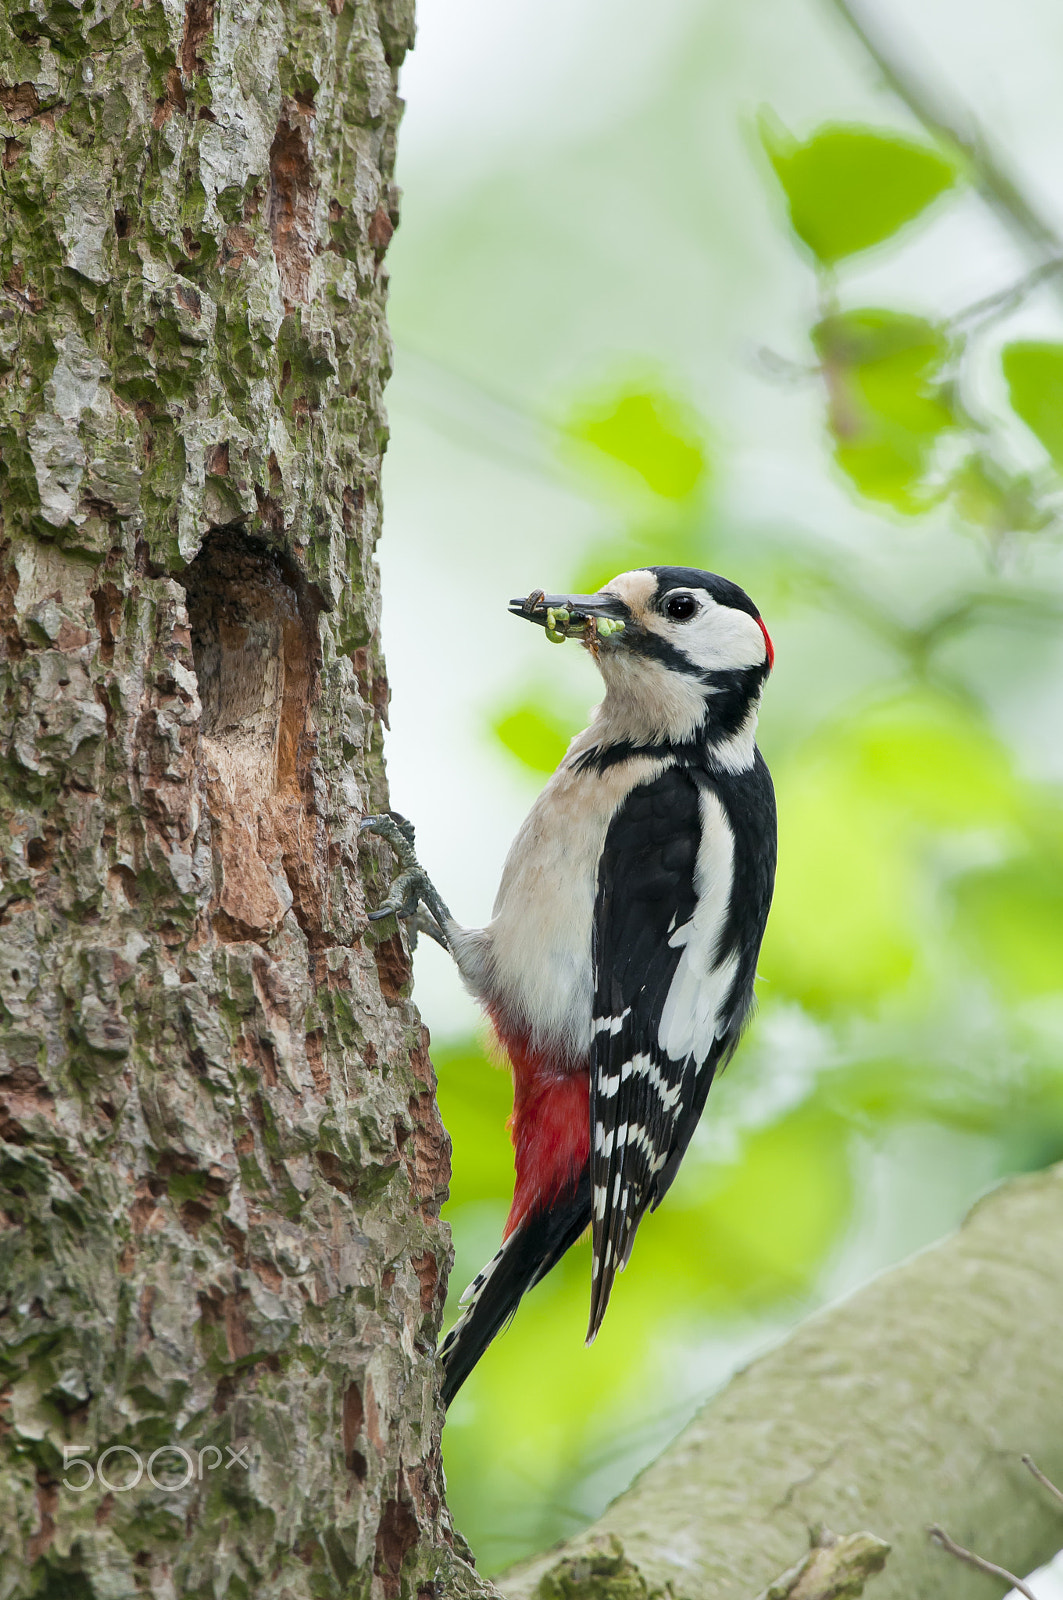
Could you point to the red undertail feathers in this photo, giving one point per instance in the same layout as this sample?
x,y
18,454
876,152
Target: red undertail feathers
x,y
550,1127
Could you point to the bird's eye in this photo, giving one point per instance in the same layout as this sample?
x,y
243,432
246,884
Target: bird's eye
x,y
680,607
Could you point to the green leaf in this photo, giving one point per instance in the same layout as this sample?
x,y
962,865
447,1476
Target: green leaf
x,y
842,931
767,1221
850,187
1013,916
987,494
934,763
535,736
1034,374
648,432
667,541
475,1097
858,812
886,404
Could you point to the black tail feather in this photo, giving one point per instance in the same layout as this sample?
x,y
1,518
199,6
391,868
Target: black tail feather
x,y
527,1255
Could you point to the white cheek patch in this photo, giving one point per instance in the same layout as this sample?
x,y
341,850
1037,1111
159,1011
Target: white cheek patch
x,y
718,639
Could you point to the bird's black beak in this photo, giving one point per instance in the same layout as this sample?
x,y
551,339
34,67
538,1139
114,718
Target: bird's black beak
x,y
581,616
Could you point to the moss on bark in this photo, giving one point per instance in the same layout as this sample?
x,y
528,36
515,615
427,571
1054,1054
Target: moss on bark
x,y
221,1163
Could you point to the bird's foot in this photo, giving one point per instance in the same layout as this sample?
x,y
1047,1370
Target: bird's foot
x,y
412,887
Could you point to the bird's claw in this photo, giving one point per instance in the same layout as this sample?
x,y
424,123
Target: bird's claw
x,y
404,896
412,885
399,833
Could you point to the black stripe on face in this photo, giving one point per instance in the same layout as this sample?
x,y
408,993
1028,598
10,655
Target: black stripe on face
x,y
651,646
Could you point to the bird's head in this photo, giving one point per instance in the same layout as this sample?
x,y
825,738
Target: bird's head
x,y
683,653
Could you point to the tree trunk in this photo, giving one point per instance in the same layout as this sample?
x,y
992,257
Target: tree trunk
x,y
222,1165
911,1403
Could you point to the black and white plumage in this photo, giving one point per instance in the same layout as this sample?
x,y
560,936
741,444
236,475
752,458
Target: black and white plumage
x,y
618,967
674,962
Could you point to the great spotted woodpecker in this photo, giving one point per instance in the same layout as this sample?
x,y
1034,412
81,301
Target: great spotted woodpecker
x,y
618,966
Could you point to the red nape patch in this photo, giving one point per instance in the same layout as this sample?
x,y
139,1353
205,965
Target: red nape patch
x,y
767,641
550,1128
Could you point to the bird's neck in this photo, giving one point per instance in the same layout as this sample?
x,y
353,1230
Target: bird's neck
x,y
647,708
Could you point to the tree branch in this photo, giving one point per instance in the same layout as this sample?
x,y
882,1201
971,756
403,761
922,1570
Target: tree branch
x,y
910,1403
1046,1483
939,1537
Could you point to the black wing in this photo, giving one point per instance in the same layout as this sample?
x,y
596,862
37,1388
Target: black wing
x,y
645,1103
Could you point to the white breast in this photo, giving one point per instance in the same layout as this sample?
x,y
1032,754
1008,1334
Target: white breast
x,y
534,957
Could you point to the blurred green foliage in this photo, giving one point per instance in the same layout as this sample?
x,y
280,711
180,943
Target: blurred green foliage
x,y
869,804
849,188
533,733
1034,374
912,975
894,380
649,434
888,404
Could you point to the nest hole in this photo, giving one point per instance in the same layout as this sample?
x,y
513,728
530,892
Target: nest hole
x,y
253,621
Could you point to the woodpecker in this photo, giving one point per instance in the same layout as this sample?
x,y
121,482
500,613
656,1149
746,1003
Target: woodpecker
x,y
618,966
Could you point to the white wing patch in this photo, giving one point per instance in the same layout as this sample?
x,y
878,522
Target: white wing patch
x,y
701,985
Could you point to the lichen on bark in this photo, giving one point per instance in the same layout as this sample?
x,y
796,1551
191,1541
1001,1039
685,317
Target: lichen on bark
x,y
221,1163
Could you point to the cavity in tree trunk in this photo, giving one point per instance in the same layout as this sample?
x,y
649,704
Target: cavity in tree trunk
x,y
221,1164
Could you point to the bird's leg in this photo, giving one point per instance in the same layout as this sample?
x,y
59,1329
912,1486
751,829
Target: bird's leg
x,y
412,892
425,923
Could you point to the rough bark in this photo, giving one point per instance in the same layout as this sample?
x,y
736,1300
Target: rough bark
x,y
221,1164
911,1403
